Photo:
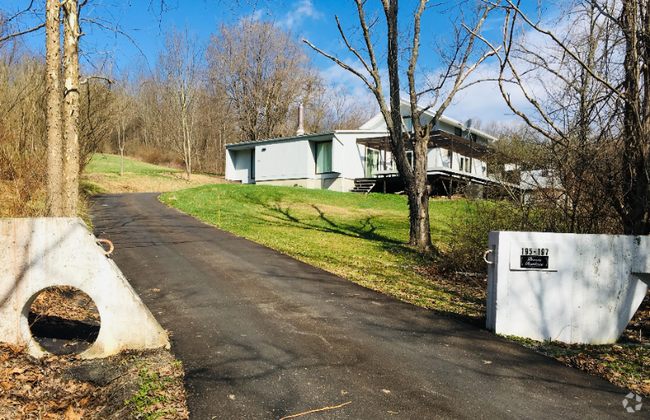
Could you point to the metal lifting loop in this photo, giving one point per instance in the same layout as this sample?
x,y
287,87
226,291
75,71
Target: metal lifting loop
x,y
106,241
485,254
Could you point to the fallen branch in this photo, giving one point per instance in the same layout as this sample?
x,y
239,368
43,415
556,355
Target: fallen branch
x,y
314,411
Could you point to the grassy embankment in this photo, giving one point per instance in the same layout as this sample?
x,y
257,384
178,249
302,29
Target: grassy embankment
x,y
102,175
360,237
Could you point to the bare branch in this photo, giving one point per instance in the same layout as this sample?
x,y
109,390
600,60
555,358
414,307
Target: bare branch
x,y
353,50
87,79
569,51
342,64
17,34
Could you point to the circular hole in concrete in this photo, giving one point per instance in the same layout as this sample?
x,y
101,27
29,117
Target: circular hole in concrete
x,y
64,320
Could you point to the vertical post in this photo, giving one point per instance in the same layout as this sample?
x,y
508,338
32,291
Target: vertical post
x,y
301,117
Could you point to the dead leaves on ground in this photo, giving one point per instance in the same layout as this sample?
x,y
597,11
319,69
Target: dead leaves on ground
x,y
41,389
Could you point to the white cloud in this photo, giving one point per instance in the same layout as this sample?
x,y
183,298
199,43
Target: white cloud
x,y
300,11
337,75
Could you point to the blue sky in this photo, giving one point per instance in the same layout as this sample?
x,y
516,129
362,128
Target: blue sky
x,y
310,19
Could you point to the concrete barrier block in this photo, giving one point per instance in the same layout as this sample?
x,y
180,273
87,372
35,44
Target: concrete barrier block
x,y
566,287
38,253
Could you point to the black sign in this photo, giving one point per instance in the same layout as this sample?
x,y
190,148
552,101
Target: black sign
x,y
534,262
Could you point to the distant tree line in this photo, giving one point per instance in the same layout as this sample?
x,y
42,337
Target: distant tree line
x,y
244,83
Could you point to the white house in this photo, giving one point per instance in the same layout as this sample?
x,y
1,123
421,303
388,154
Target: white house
x,y
344,160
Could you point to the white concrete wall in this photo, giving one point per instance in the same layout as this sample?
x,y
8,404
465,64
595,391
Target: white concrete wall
x,y
230,166
588,294
329,182
354,156
43,252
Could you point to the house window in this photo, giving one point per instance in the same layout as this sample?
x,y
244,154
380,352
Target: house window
x,y
464,164
323,157
458,131
372,162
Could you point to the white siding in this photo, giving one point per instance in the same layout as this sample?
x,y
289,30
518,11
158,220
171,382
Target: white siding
x,y
284,160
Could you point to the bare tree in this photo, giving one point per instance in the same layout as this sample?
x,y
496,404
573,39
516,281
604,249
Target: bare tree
x,y
334,107
460,64
264,71
179,66
62,114
596,111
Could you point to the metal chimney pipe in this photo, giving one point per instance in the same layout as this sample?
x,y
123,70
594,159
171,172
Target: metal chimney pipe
x,y
301,117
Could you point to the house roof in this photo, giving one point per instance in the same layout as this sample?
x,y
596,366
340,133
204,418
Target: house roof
x,y
436,139
377,125
314,136
377,122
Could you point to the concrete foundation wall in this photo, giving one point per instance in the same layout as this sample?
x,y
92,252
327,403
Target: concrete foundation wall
x,y
43,252
566,287
327,183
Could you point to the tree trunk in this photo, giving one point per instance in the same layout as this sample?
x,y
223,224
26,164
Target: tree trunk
x,y
635,120
420,233
71,35
54,202
415,178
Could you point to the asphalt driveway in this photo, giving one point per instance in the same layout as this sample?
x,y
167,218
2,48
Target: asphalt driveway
x,y
263,336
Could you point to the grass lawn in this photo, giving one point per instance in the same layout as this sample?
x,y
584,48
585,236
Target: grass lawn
x,y
364,239
360,237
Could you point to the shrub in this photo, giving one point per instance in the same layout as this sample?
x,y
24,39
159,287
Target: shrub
x,y
470,230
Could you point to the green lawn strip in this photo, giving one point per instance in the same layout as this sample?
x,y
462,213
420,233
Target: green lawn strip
x,y
360,237
110,165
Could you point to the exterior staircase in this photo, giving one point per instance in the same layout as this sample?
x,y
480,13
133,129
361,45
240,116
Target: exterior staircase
x,y
363,185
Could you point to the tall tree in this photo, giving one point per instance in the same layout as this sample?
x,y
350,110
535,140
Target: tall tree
x,y
265,72
180,72
460,63
597,108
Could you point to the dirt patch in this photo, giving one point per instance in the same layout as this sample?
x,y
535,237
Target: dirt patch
x,y
164,182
